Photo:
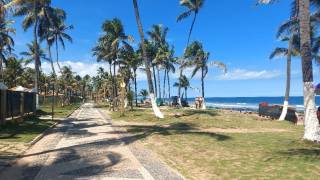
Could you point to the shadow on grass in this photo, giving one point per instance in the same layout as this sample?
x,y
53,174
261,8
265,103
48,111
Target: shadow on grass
x,y
142,131
192,112
314,152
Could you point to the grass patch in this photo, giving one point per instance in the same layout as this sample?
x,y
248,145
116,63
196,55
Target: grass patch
x,y
182,140
59,111
24,131
31,126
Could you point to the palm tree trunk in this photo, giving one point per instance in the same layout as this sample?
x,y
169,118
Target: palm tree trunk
x,y
202,89
113,89
169,88
202,83
179,88
155,80
135,86
159,83
1,59
186,90
36,56
286,98
191,28
164,83
1,70
115,80
155,108
57,54
312,129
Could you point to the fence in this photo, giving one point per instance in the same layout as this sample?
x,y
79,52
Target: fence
x,y
47,101
16,104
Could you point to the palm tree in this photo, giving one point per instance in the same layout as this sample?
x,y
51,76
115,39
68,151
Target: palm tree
x,y
199,59
156,110
151,55
312,128
193,6
6,43
115,37
132,60
32,10
58,34
165,57
158,34
184,83
29,55
291,50
13,72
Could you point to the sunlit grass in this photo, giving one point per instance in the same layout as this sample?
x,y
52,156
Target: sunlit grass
x,y
182,139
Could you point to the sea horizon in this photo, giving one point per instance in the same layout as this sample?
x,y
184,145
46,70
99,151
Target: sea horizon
x,y
252,103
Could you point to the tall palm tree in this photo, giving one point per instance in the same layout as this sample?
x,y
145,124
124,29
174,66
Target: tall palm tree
x,y
151,50
58,34
165,57
109,45
288,52
158,34
133,61
312,128
199,59
156,110
193,7
32,12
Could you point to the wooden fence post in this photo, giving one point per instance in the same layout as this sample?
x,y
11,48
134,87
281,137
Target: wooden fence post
x,y
3,102
22,104
34,101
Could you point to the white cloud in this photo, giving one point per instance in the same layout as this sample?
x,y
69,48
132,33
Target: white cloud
x,y
81,68
244,74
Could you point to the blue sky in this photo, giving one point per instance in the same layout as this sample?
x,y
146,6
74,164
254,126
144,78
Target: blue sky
x,y
239,33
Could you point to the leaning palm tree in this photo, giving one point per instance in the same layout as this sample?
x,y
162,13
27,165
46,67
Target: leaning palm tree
x,y
199,60
58,35
312,128
292,50
193,6
155,108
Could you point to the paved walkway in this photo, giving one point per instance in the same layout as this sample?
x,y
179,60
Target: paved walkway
x,y
86,146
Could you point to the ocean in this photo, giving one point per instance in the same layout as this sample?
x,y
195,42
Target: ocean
x,y
251,103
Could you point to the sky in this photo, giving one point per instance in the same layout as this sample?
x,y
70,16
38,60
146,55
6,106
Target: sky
x,y
238,33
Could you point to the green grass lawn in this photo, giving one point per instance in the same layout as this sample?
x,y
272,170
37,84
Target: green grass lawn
x,y
26,130
225,145
59,112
